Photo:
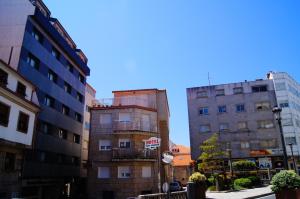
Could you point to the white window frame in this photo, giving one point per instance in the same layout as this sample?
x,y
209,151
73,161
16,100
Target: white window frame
x,y
124,143
105,145
124,172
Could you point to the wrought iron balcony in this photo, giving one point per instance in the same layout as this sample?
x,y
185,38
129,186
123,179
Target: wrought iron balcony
x,y
125,153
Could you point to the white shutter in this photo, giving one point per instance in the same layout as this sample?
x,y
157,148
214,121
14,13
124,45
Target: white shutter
x,y
104,145
124,117
146,172
105,118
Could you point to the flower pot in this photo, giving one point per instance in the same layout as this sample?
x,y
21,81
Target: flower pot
x,y
288,194
196,190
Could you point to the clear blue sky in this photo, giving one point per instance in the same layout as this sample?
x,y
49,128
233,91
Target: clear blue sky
x,y
173,44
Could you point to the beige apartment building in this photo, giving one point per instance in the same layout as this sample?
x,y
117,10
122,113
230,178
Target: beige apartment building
x,y
120,166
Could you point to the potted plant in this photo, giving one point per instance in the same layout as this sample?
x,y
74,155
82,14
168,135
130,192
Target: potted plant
x,y
197,186
286,185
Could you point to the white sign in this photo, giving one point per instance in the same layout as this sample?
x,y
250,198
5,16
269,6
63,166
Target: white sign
x,y
152,143
265,163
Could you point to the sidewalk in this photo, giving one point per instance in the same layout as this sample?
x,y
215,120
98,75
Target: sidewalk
x,y
248,193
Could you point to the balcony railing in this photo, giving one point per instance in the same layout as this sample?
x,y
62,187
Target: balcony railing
x,y
125,101
124,153
134,126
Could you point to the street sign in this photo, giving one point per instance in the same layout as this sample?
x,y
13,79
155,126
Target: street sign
x,y
152,143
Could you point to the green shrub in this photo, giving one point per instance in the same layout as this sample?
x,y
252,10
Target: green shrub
x,y
254,180
285,180
212,188
197,177
242,183
244,165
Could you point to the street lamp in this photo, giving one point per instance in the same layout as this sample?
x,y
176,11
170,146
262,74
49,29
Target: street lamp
x,y
229,150
277,110
291,146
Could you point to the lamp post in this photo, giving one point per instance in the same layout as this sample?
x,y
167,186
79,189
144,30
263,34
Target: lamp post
x,y
291,146
229,150
277,110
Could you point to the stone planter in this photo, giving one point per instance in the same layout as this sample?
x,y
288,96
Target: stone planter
x,y
288,194
196,190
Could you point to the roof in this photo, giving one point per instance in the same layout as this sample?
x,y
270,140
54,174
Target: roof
x,y
183,157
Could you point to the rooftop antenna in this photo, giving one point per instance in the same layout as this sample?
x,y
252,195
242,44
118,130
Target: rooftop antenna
x,y
208,77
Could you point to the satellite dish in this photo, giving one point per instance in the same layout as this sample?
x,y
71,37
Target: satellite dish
x,y
167,157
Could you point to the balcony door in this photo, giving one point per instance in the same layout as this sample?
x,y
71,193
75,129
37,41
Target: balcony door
x,y
145,122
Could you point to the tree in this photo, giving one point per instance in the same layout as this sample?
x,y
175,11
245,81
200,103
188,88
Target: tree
x,y
212,155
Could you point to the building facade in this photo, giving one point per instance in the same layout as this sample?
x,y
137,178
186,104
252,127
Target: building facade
x,y
120,165
18,109
39,48
241,114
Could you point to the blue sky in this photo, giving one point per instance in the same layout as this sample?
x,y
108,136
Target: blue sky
x,y
174,44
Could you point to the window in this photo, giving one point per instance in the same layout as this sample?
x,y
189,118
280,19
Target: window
x,y
69,67
23,122
201,94
104,145
265,124
87,125
124,117
3,77
76,139
146,172
45,127
242,125
262,106
261,88
123,172
268,143
203,111
220,92
79,97
280,86
124,143
67,88
9,162
204,128
291,140
62,134
105,118
33,61
103,172
37,35
21,89
78,117
240,108
297,122
287,122
65,110
244,145
52,76
55,53
4,114
81,78
224,127
49,101
284,104
238,90
222,109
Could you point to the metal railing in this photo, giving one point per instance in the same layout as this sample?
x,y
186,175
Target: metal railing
x,y
173,195
129,126
125,153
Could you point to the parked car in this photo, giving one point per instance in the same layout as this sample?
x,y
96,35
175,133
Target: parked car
x,y
175,186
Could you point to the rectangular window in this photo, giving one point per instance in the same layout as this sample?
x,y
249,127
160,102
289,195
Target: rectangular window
x,y
104,145
146,172
201,94
124,117
242,125
280,86
268,143
76,138
222,109
297,122
220,92
204,128
23,122
124,143
203,111
3,77
81,78
240,108
260,88
87,125
290,140
69,67
224,127
244,145
49,101
103,172
124,172
37,35
106,118
65,110
9,162
33,61
262,106
4,114
79,97
265,124
284,104
55,53
21,89
67,88
63,134
78,117
287,122
238,90
52,76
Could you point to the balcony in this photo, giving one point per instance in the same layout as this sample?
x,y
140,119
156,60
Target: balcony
x,y
133,154
117,126
141,101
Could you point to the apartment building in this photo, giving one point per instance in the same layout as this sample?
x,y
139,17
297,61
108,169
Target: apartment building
x,y
241,114
121,165
38,47
18,109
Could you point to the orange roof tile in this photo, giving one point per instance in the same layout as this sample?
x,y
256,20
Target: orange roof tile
x,y
182,157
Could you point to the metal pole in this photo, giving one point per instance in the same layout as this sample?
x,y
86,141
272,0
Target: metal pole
x,y
294,163
285,158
